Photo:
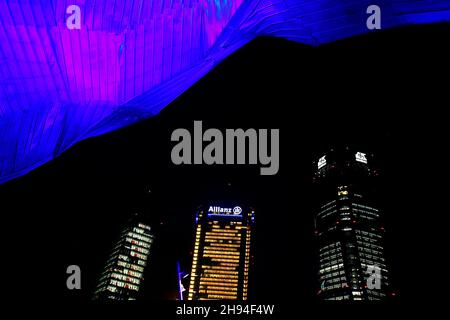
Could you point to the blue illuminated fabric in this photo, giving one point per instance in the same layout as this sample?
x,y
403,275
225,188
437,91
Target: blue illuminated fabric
x,y
131,58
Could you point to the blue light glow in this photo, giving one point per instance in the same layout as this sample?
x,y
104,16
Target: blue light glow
x,y
224,215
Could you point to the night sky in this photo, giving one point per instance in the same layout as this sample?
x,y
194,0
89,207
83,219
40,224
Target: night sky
x,y
361,91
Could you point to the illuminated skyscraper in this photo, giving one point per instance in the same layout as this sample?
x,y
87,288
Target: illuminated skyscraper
x,y
221,258
349,228
123,275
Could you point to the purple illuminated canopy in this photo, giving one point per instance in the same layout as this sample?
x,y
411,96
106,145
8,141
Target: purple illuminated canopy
x,y
131,58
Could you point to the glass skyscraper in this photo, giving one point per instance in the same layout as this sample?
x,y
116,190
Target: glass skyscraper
x,y
122,276
349,227
222,253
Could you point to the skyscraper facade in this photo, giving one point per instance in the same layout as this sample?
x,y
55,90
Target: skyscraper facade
x,y
349,227
123,274
222,254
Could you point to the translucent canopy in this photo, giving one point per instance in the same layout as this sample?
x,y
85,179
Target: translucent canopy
x,y
128,59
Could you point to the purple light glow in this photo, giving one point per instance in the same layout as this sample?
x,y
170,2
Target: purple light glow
x,y
132,58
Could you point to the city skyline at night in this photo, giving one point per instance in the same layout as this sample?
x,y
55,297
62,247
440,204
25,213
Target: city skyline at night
x,y
80,202
348,225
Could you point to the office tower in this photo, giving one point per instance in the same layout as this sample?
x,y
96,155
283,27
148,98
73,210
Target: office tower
x,y
349,227
221,257
124,272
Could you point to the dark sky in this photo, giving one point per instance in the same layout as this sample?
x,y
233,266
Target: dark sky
x,y
364,91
